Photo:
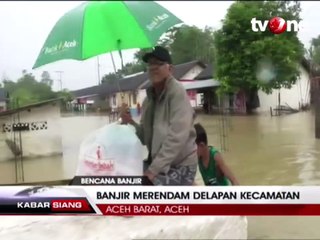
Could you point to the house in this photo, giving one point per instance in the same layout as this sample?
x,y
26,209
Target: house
x,y
4,100
295,97
130,89
87,99
186,74
203,89
126,90
199,90
139,82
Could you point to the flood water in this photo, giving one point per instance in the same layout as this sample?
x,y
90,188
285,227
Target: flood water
x,y
261,150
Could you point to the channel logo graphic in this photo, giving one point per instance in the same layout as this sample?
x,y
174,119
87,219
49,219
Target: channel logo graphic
x,y
276,25
45,200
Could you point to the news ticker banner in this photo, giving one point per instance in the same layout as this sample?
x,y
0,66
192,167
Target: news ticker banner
x,y
160,200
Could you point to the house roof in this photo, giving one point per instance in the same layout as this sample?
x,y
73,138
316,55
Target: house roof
x,y
124,84
86,91
181,69
314,71
200,84
34,105
107,88
207,73
133,82
3,95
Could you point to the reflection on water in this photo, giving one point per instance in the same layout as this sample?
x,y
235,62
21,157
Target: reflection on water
x,y
261,151
35,170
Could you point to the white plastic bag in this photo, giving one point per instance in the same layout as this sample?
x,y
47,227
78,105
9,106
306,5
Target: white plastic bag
x,y
113,150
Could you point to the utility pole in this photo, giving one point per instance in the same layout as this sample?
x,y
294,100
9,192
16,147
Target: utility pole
x,y
60,78
115,71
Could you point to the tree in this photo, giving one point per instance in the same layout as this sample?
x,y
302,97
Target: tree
x,y
9,86
128,69
66,95
22,97
46,79
4,78
186,43
111,77
191,43
314,52
240,52
27,90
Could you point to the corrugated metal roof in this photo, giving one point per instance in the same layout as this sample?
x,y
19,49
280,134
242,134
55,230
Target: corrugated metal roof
x,y
200,84
207,73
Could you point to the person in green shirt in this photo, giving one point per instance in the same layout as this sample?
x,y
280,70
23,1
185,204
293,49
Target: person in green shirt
x,y
212,167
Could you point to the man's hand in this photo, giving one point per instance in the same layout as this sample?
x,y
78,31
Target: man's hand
x,y
150,175
125,114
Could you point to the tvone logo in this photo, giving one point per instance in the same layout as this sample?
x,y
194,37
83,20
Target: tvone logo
x,y
277,25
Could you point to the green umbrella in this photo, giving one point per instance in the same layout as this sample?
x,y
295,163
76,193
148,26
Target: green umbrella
x,y
94,28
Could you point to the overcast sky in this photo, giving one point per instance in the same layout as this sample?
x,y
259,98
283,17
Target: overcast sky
x,y
24,27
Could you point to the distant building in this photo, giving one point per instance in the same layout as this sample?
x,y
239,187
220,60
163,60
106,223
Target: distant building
x,y
295,97
201,87
130,89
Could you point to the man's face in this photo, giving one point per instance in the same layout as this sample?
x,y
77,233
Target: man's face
x,y
158,70
201,149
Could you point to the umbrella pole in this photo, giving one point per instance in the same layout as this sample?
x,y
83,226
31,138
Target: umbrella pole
x,y
114,65
98,63
115,71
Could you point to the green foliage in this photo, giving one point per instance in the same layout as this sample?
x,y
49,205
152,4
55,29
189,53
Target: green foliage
x,y
314,51
27,90
46,79
191,43
186,43
22,97
111,77
128,69
239,50
65,95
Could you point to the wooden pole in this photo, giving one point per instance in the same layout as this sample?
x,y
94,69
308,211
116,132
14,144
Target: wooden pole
x,y
317,112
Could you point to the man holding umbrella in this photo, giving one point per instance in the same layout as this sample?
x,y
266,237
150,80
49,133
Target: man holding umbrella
x,y
166,126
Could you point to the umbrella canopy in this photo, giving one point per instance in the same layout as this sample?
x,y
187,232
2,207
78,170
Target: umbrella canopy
x,y
94,28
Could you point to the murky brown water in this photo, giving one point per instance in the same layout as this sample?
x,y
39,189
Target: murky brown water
x,y
260,150
273,151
